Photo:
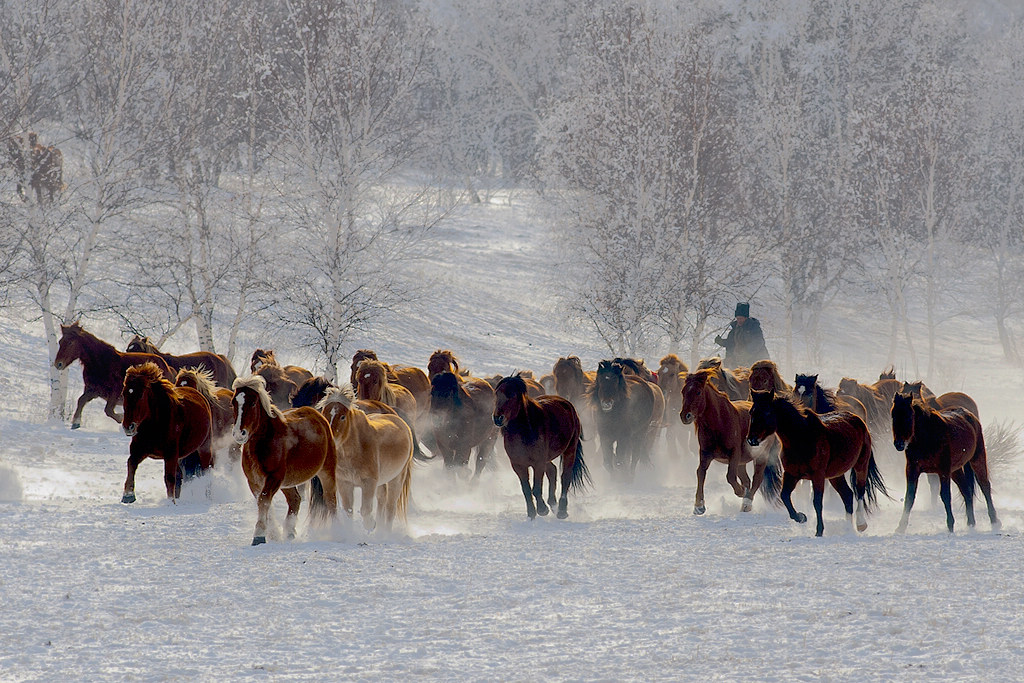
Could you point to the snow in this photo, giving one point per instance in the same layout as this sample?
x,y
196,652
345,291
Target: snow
x,y
632,586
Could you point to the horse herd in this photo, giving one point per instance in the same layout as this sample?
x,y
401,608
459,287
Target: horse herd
x,y
288,427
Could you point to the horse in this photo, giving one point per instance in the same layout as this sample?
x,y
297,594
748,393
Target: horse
x,y
722,425
534,388
218,365
812,395
103,368
265,357
628,411
444,360
461,416
950,399
165,422
947,442
372,384
571,381
636,366
412,378
818,447
535,432
873,400
735,383
375,453
311,392
219,400
547,381
281,451
765,375
42,167
671,374
888,373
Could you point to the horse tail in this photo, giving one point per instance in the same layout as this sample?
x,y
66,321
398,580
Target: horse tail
x,y
317,506
402,505
874,485
970,482
771,484
580,479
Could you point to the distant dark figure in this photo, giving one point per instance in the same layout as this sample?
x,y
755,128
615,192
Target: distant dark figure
x,y
41,167
744,345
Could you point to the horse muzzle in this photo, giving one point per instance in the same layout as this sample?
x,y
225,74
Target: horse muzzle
x,y
499,420
240,436
900,444
607,405
753,441
131,429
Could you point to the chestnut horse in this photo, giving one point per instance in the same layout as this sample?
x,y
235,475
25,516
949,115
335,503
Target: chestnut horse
x,y
103,368
373,385
628,411
219,400
42,167
735,383
812,395
166,423
571,381
412,378
533,387
950,399
281,451
444,360
947,442
672,373
818,447
461,415
219,366
375,453
535,432
722,426
265,357
765,375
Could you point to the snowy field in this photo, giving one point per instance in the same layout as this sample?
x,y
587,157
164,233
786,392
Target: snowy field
x,y
632,587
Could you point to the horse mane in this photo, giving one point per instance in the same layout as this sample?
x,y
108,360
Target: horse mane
x,y
445,385
259,385
778,383
711,362
309,389
343,395
634,364
204,381
445,355
572,363
515,383
888,373
673,359
150,372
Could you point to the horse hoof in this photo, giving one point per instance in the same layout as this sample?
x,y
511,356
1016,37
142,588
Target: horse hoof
x,y
542,512
699,509
997,525
901,529
563,514
800,518
747,506
76,425
259,540
128,498
863,526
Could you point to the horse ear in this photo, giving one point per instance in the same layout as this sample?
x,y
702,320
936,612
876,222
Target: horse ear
x,y
814,378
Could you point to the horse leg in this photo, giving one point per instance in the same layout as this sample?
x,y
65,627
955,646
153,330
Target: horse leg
x,y
980,467
134,458
109,410
755,485
86,396
966,491
523,472
172,476
538,489
271,485
329,486
552,471
936,485
291,494
346,491
846,493
607,450
818,485
568,462
944,494
702,473
913,474
732,476
368,489
383,505
789,483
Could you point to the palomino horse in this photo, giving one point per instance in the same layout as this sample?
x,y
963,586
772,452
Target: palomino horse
x,y
375,454
818,447
535,432
281,451
722,426
947,442
821,400
461,414
166,423
373,385
41,167
103,368
219,400
412,378
672,373
629,412
218,366
735,383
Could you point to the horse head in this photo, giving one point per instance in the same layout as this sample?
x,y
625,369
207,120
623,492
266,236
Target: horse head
x,y
444,390
915,389
197,378
143,386
888,373
261,357
371,380
805,387
336,406
694,394
763,421
442,360
848,387
69,349
140,345
510,396
311,392
357,358
251,407
568,373
902,419
610,385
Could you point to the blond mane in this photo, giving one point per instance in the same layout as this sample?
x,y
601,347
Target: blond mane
x,y
204,381
259,385
343,395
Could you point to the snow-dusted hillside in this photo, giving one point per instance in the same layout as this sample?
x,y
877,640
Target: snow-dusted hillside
x,y
631,587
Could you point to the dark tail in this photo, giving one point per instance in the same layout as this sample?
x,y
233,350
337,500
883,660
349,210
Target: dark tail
x,y
317,507
875,485
771,485
417,452
580,478
970,483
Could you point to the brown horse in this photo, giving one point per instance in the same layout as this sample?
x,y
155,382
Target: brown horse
x,y
818,447
412,378
735,383
375,453
672,373
722,426
765,375
821,400
628,411
373,385
947,442
265,357
873,400
281,451
461,415
950,399
534,388
103,368
888,373
571,381
219,400
166,423
41,167
535,432
217,365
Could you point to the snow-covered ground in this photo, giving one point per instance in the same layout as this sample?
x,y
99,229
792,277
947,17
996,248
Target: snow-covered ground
x,y
632,587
